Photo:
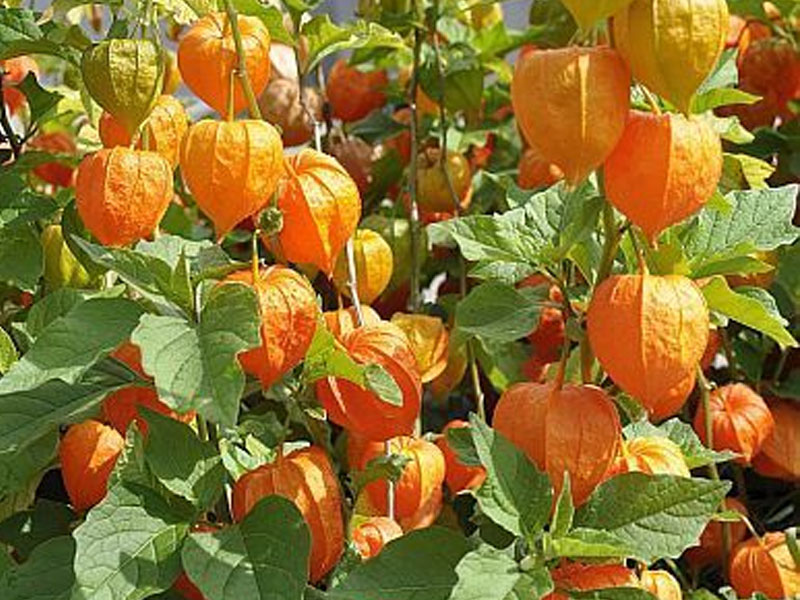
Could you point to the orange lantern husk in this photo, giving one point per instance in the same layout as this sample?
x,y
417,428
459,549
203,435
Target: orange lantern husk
x,y
307,478
765,565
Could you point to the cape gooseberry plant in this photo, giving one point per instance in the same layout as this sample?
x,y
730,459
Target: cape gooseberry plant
x,y
413,306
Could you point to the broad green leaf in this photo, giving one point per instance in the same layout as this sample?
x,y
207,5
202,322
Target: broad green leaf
x,y
29,420
40,100
183,463
325,37
128,547
590,543
760,220
53,306
70,345
755,309
21,468
739,265
21,257
264,556
207,259
459,439
25,530
486,574
534,583
515,495
326,358
543,229
158,279
270,16
552,23
657,516
564,513
502,362
724,75
46,575
498,312
695,453
383,467
8,352
21,34
418,566
722,97
743,171
195,365
19,204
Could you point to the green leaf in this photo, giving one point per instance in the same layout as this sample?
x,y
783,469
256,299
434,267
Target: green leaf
x,y
183,463
486,574
40,100
498,312
382,467
151,276
71,344
264,556
325,37
657,516
326,358
724,75
25,530
53,306
46,575
755,309
20,34
745,171
459,439
22,467
19,204
590,543
21,257
722,97
759,220
195,365
534,583
129,546
515,495
564,513
502,362
695,453
8,352
418,566
270,16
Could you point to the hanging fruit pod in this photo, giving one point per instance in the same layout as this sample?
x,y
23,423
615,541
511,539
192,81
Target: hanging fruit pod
x,y
422,478
574,428
661,584
765,565
321,207
584,577
651,455
672,47
305,477
780,453
341,322
649,333
429,342
361,411
207,57
740,421
710,550
121,194
373,261
165,129
125,77
231,168
572,104
289,314
663,170
371,534
353,93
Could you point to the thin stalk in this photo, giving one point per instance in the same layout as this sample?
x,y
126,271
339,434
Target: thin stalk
x,y
414,296
443,130
678,573
705,400
241,68
611,243
8,131
352,281
390,512
651,99
254,261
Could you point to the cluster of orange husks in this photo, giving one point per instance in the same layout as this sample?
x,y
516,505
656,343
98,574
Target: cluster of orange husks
x,y
648,332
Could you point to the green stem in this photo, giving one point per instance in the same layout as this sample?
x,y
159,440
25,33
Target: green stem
x,y
414,296
705,400
776,378
352,281
254,260
794,549
611,243
241,68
